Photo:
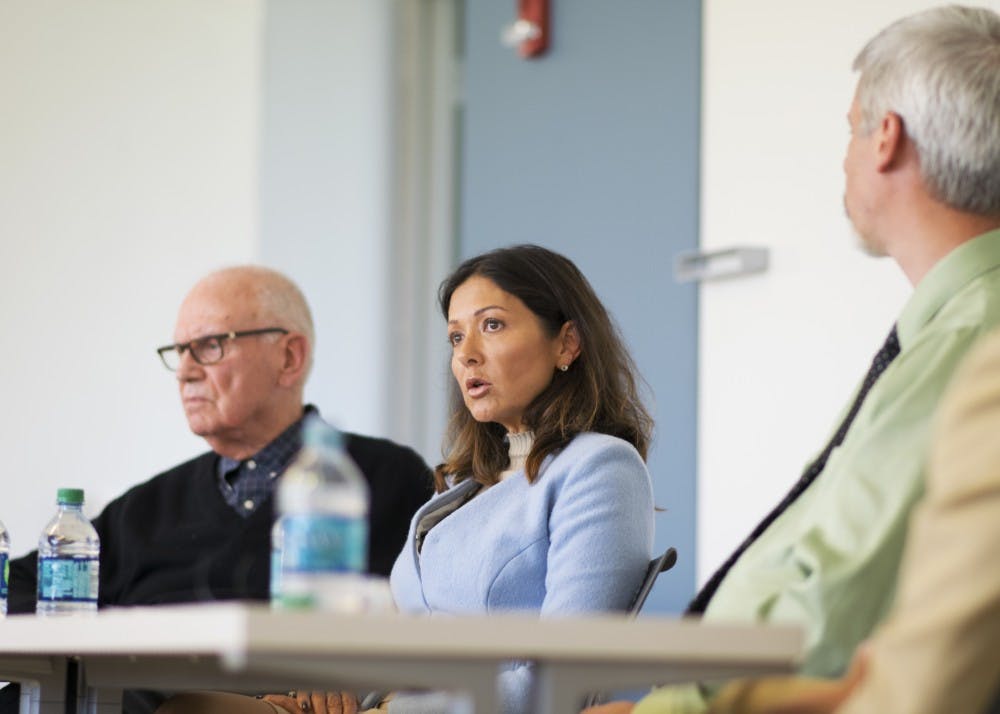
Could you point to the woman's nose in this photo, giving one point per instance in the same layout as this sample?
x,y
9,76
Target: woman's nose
x,y
468,351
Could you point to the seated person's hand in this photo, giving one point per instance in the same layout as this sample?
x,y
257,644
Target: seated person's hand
x,y
790,695
611,708
315,702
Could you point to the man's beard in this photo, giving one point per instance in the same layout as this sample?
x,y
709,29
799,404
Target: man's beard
x,y
866,244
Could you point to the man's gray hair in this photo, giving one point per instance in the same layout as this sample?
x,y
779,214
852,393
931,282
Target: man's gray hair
x,y
939,70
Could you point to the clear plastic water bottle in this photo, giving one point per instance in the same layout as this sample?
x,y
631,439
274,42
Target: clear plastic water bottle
x,y
68,560
4,568
277,545
320,542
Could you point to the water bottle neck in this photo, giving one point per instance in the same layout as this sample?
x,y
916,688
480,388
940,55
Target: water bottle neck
x,y
325,452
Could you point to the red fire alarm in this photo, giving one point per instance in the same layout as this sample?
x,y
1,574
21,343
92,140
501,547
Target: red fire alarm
x,y
530,31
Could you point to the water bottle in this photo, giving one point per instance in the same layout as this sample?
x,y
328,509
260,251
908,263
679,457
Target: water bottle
x,y
68,560
320,541
4,568
277,545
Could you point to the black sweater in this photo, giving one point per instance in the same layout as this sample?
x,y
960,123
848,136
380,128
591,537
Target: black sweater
x,y
174,539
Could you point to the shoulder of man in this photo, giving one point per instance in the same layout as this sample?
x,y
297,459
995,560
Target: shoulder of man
x,y
175,482
203,463
381,459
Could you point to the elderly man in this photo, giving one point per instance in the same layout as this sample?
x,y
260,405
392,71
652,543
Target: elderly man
x,y
923,187
201,531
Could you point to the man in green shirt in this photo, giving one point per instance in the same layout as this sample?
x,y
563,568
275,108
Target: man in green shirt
x,y
923,187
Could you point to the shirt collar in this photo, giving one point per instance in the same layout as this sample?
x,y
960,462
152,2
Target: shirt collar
x,y
952,273
274,457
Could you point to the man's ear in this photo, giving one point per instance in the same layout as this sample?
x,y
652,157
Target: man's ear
x,y
295,359
569,344
890,141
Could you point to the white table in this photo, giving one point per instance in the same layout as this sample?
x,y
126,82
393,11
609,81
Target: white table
x,y
250,648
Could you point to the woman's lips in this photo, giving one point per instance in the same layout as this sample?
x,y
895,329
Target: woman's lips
x,y
476,388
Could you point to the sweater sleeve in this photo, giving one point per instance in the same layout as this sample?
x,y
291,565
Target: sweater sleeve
x,y
601,532
23,584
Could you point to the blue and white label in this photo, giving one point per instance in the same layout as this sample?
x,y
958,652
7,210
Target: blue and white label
x,y
4,575
275,574
68,579
323,544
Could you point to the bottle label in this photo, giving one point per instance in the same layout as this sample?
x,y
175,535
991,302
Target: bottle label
x,y
68,579
4,575
323,544
275,574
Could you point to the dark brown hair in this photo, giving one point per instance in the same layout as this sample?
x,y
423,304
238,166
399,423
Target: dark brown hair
x,y
598,393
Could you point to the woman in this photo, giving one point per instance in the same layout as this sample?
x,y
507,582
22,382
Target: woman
x,y
544,502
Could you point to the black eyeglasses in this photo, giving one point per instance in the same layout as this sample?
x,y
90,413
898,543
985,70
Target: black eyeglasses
x,y
207,349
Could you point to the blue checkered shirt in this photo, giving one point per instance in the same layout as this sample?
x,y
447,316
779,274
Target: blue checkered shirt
x,y
247,484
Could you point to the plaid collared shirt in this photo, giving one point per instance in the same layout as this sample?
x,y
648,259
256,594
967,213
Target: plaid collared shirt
x,y
247,484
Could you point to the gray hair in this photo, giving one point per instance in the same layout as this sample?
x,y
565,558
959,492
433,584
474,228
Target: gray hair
x,y
939,70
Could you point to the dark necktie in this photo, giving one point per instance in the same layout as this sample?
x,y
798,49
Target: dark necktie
x,y
882,359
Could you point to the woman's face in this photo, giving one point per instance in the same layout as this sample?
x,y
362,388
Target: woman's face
x,y
502,357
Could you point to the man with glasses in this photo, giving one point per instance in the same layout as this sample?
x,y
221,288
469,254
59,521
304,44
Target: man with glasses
x,y
201,531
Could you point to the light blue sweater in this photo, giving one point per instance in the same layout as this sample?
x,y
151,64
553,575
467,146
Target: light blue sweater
x,y
577,540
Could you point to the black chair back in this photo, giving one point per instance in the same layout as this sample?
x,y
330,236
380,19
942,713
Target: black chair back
x,y
656,566
995,707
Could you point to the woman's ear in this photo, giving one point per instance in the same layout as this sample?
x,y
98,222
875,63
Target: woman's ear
x,y
569,345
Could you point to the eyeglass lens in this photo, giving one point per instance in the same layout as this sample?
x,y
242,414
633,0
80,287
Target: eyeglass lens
x,y
206,350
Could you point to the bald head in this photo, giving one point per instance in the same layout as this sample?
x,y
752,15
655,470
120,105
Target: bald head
x,y
245,398
262,293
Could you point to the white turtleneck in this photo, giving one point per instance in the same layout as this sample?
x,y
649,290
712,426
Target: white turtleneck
x,y
518,447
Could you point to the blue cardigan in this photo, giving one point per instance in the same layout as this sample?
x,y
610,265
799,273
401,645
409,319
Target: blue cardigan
x,y
577,540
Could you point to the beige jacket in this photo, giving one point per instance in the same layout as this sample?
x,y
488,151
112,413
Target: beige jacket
x,y
940,649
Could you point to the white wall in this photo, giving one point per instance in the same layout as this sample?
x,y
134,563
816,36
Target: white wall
x,y
325,191
128,140
142,144
352,120
781,352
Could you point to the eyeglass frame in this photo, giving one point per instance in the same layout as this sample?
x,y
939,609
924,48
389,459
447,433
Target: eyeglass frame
x,y
182,347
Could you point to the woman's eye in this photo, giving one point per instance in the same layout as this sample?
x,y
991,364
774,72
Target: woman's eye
x,y
454,338
491,324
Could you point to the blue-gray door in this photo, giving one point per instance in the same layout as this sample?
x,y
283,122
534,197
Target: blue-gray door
x,y
592,150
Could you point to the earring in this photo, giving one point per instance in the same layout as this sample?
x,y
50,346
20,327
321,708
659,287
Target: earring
x,y
564,367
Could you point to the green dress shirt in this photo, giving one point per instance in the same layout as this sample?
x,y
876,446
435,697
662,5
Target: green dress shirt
x,y
829,562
